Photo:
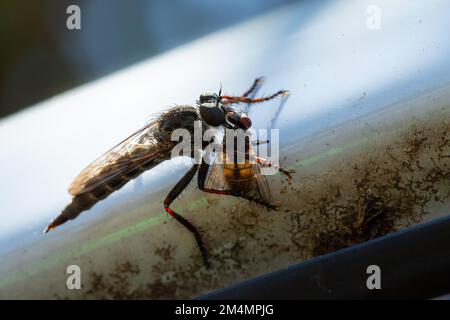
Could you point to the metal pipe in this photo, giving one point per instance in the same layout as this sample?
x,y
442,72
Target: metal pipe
x,y
408,270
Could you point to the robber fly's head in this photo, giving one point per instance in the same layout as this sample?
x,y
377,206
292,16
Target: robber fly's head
x,y
211,109
214,113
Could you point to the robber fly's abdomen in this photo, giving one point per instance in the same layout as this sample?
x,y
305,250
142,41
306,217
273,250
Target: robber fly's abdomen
x,y
142,151
86,200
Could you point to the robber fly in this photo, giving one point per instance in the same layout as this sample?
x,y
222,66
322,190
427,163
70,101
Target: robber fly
x,y
152,145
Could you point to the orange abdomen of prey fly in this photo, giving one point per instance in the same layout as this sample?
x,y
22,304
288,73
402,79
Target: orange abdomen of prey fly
x,y
237,168
238,175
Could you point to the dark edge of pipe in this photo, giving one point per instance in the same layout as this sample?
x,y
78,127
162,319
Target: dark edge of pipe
x,y
414,263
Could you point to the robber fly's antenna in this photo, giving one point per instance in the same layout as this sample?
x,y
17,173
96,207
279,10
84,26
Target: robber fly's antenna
x,y
220,95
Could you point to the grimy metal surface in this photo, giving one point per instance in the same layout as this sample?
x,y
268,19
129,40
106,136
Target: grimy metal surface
x,y
366,127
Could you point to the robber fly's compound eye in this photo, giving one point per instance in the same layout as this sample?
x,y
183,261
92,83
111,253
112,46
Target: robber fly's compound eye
x,y
212,114
208,97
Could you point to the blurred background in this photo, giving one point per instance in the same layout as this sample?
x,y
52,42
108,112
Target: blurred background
x,y
40,57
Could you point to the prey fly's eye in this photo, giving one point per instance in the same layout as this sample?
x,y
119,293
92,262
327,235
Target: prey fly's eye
x,y
208,97
245,121
212,114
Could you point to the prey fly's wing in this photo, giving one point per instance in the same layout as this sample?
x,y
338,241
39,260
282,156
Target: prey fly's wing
x,y
139,148
216,177
255,184
260,186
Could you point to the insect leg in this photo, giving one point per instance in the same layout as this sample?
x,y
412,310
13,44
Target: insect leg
x,y
173,194
231,99
250,93
258,142
265,163
202,174
278,112
255,86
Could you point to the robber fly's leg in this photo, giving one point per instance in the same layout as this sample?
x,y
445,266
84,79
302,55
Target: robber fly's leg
x,y
278,112
202,173
255,86
250,93
231,99
269,206
173,194
263,162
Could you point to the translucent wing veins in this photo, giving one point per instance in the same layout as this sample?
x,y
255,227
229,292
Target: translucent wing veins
x,y
150,143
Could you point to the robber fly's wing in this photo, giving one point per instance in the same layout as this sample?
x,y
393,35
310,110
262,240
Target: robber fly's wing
x,y
130,154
